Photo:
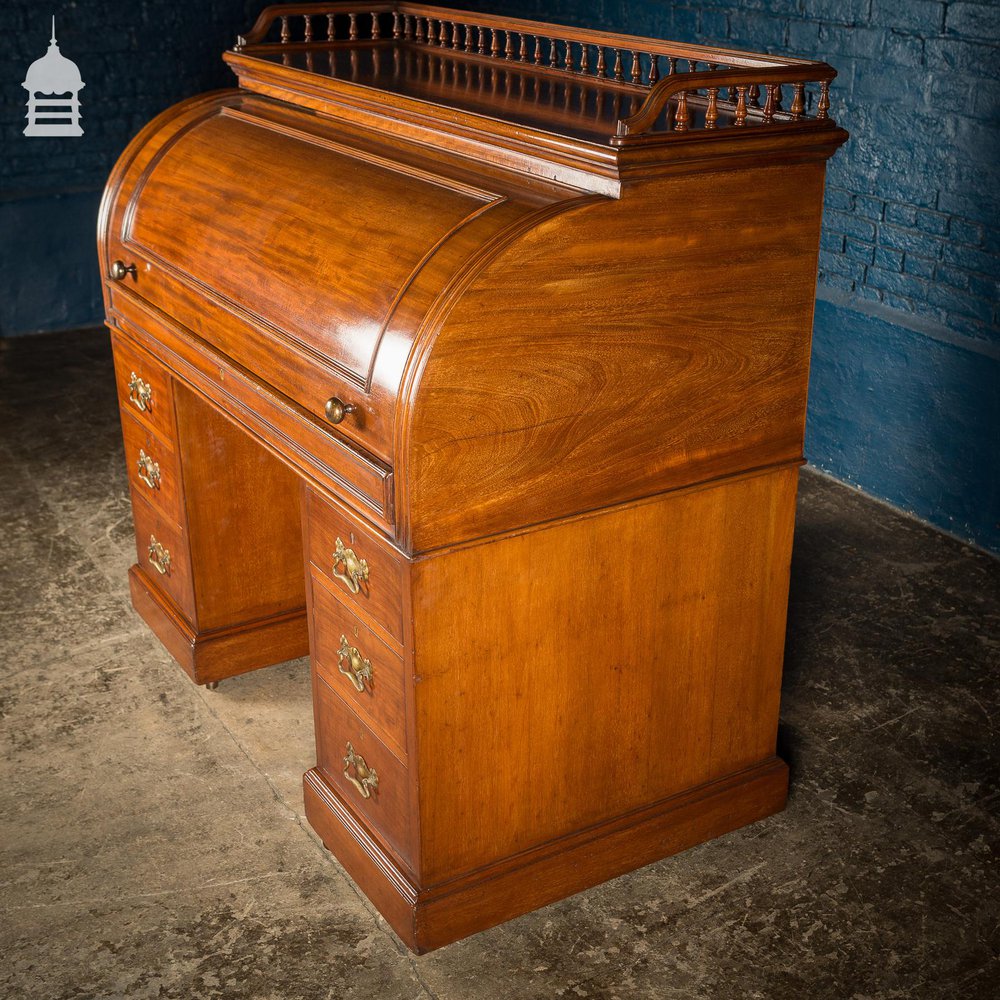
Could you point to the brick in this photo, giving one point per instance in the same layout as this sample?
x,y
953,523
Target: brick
x,y
889,260
976,58
838,197
909,240
851,225
971,259
868,293
955,301
899,284
833,242
921,266
967,325
838,11
964,231
903,215
839,264
869,207
903,50
920,17
836,281
753,29
714,27
935,223
862,252
974,20
951,92
803,37
954,276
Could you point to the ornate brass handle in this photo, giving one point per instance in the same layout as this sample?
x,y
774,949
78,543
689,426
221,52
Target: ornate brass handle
x,y
159,557
149,471
140,393
367,779
358,668
355,570
119,269
337,409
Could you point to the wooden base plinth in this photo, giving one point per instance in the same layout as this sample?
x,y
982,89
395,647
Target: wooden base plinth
x,y
427,918
213,656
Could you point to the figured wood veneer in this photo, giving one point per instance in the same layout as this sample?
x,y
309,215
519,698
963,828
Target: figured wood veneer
x,y
559,286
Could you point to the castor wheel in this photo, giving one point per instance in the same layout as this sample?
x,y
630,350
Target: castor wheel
x,y
212,685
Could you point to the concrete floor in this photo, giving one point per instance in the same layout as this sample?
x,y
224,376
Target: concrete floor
x,y
152,835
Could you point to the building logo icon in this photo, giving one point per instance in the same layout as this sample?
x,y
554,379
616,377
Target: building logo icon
x,y
53,75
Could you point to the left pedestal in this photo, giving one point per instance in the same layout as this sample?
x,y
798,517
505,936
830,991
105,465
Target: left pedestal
x,y
219,575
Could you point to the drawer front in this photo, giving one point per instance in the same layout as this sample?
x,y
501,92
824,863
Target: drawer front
x,y
362,769
144,389
153,471
162,553
359,666
364,571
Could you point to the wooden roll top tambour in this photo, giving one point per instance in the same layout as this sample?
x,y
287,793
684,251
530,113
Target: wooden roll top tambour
x,y
523,312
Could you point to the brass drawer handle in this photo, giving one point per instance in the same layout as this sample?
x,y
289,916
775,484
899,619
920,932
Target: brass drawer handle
x,y
159,556
336,409
140,393
367,779
119,269
149,471
358,669
355,570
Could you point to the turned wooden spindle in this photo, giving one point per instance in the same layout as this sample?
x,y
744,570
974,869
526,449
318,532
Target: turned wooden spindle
x,y
671,66
823,107
376,30
522,52
468,38
420,29
408,27
618,73
494,43
741,106
285,33
352,31
307,28
769,103
569,56
712,111
331,31
508,49
602,69
777,97
754,94
442,38
635,71
481,48
553,54
654,68
681,115
538,51
692,65
396,26
585,59
798,100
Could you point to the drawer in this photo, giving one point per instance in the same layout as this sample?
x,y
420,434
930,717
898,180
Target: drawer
x,y
144,388
153,471
364,570
162,553
347,749
359,666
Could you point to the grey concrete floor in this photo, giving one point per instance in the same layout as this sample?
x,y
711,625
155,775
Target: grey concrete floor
x,y
152,833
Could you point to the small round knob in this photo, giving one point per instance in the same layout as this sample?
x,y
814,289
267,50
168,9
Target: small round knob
x,y
119,269
337,409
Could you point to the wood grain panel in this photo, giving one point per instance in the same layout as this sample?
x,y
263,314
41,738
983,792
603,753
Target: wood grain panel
x,y
621,357
131,363
176,582
571,674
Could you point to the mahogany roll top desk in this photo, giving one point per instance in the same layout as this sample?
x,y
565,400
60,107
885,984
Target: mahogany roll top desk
x,y
469,356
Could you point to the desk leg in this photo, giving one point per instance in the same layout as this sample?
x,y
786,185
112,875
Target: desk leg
x,y
234,597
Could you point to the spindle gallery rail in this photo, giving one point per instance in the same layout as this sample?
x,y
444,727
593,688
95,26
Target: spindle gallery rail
x,y
728,87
